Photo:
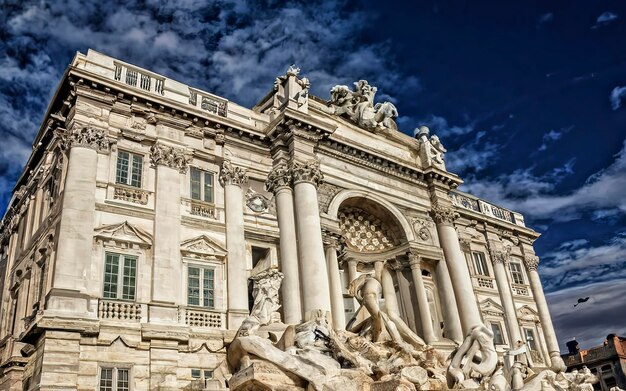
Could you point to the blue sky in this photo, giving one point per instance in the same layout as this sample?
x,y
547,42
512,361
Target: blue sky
x,y
528,97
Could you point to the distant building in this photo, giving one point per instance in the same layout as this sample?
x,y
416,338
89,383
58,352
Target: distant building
x,y
608,361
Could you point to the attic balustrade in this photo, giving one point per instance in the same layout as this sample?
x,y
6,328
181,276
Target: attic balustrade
x,y
477,205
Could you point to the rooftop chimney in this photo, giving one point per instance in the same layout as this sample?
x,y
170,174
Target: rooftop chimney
x,y
573,346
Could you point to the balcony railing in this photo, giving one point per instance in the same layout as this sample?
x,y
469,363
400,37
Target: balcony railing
x,y
119,310
485,208
130,194
201,318
521,290
485,282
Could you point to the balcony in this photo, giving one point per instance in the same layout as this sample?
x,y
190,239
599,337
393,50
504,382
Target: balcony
x,y
199,208
477,205
130,194
485,282
119,310
196,317
520,290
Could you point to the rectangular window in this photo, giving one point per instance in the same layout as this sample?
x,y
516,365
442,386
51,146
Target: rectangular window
x,y
158,86
131,77
201,183
145,82
118,72
498,338
129,169
530,339
203,375
114,379
120,276
480,264
200,287
516,273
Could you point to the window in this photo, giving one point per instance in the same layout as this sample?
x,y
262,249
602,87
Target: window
x,y
516,273
498,338
530,339
158,86
203,375
480,264
120,274
114,379
129,168
201,185
118,72
198,277
131,77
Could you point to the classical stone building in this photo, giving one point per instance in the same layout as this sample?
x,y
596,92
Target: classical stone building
x,y
607,362
147,205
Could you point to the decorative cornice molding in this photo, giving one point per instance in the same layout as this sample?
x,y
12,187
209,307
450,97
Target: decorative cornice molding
x,y
279,178
444,214
532,262
169,156
308,172
86,136
231,175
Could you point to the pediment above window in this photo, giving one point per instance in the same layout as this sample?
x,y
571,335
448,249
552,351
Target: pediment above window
x,y
528,314
203,247
490,307
124,234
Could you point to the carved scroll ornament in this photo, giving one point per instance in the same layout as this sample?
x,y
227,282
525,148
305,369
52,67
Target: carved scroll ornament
x,y
87,136
232,175
169,156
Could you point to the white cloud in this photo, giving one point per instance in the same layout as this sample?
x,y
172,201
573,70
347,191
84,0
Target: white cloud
x,y
604,19
592,321
552,136
439,126
533,195
616,97
475,155
545,18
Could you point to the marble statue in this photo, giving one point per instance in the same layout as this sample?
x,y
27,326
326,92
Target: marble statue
x,y
358,105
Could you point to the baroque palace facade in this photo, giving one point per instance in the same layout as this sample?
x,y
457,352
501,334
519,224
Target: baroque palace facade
x,y
147,205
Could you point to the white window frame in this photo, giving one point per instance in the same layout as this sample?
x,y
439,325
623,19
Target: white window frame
x,y
480,264
499,324
202,185
129,169
203,269
534,340
205,375
121,269
115,377
517,276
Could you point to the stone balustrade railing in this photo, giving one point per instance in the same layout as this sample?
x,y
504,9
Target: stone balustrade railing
x,y
130,194
520,290
201,318
472,203
119,310
199,208
485,282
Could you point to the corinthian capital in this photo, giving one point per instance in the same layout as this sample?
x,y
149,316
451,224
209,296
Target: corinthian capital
x,y
499,256
280,177
307,172
86,136
532,262
231,175
444,214
169,156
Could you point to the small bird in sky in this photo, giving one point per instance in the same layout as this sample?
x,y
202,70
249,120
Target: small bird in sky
x,y
581,300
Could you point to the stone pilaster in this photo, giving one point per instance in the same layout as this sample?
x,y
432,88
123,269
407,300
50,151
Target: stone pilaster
x,y
169,163
232,178
75,234
532,263
314,275
336,291
279,182
422,299
469,314
500,260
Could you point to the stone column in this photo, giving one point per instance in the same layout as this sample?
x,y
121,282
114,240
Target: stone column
x,y
422,299
457,267
336,290
169,163
313,272
279,182
75,234
232,179
451,321
500,260
557,364
352,272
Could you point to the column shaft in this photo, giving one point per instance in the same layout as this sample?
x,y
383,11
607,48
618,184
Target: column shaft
x,y
313,273
459,275
236,245
292,307
336,291
422,302
451,321
504,288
